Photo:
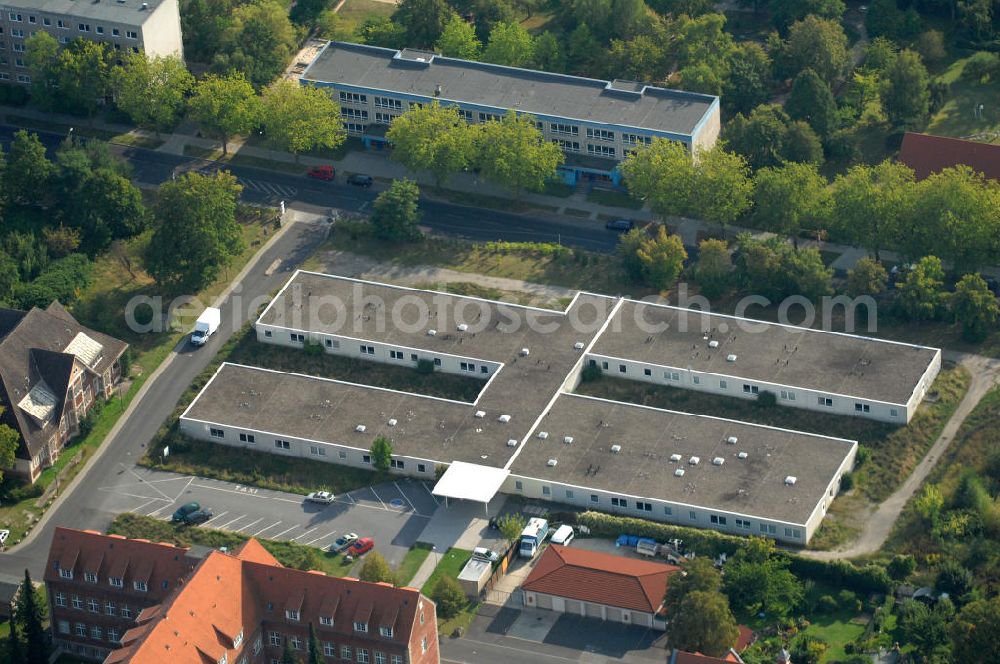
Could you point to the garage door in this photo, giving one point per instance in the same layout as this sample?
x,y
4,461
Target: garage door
x,y
544,601
642,619
614,615
594,610
574,607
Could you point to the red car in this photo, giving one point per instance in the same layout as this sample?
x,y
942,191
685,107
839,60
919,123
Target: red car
x,y
360,547
324,172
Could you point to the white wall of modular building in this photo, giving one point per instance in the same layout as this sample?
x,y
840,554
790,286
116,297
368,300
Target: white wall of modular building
x,y
604,612
787,395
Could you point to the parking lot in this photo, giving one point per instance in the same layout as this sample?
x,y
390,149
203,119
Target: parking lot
x,y
394,513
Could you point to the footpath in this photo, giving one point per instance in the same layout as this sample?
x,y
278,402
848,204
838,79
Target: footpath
x,y
576,208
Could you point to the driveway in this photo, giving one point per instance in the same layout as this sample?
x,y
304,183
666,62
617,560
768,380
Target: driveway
x,y
394,513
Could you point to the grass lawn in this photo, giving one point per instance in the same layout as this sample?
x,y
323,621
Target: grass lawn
x,y
450,564
138,140
288,554
80,129
215,154
614,198
356,12
412,561
956,118
837,629
514,204
895,451
576,269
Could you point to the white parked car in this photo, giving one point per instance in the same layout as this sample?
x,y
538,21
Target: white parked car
x,y
483,553
321,497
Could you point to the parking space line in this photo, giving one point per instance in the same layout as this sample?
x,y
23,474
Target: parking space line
x,y
181,492
126,494
296,538
145,505
217,516
252,523
153,513
232,521
372,489
430,493
282,532
405,497
316,539
263,529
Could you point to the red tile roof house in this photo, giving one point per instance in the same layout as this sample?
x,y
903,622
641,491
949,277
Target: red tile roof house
x,y
51,371
599,585
927,154
242,607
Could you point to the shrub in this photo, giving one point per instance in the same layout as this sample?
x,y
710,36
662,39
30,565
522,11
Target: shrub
x,y
863,455
590,373
846,482
901,567
313,349
449,597
538,248
848,600
88,422
826,604
981,67
767,399
425,366
23,491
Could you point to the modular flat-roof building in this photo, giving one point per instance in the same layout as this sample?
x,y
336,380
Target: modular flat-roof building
x,y
529,434
596,123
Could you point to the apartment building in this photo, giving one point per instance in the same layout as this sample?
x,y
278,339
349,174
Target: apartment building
x,y
153,26
597,123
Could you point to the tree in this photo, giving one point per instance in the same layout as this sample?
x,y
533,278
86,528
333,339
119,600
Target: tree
x,y
582,50
642,58
287,654
789,198
331,25
152,91
975,630
722,188
812,101
976,17
381,453
395,215
41,51
817,44
315,655
628,248
757,579
382,31
548,55
662,258
449,597
929,503
423,20
768,137
28,170
13,647
82,70
696,575
61,240
628,18
376,570
195,233
224,107
306,12
511,526
714,267
704,623
434,138
901,567
786,12
931,47
10,439
513,153
749,81
867,277
29,614
112,209
954,578
926,628
921,290
258,42
981,67
975,307
906,91
510,45
868,204
808,649
298,118
458,39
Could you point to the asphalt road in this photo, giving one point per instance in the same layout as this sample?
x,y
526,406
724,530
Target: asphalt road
x,y
262,186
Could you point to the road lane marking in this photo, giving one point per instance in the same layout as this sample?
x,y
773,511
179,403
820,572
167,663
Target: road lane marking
x,y
252,523
263,529
282,532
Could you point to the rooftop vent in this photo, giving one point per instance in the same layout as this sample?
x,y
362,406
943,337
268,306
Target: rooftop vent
x,y
616,449
743,455
525,352
568,439
392,422
694,461
791,480
679,472
713,344
361,428
675,457
145,5
504,418
432,333
551,463
732,440
731,357
578,345
718,461
462,327
512,442
543,435
480,414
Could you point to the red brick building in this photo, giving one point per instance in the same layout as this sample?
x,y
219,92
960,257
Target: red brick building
x,y
51,371
243,607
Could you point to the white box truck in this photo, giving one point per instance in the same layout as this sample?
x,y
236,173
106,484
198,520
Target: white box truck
x,y
206,325
532,537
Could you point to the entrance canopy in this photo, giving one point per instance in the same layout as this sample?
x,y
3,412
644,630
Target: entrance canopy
x,y
470,481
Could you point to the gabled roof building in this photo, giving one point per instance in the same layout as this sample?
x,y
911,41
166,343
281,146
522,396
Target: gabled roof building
x,y
51,371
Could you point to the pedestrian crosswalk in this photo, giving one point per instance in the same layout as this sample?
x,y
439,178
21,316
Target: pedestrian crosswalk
x,y
268,188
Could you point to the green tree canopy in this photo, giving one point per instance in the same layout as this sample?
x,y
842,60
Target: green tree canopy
x,y
315,655
375,569
381,453
224,107
458,39
786,12
10,439
434,138
513,153
869,204
195,233
906,91
41,53
818,44
975,307
713,270
395,215
926,628
790,198
26,177
152,91
510,45
768,137
748,83
697,575
757,579
449,597
662,259
298,118
867,277
704,623
259,40
112,210
811,100
29,614
548,53
975,630
82,70
921,293
424,21
511,526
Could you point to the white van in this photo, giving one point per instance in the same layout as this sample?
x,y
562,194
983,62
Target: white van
x,y
564,535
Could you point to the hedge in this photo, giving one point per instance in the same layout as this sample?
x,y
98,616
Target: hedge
x,y
838,573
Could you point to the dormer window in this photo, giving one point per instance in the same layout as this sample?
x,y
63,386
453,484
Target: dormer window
x,y
90,577
291,615
140,586
385,631
224,659
326,621
238,641
115,581
360,626
65,573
